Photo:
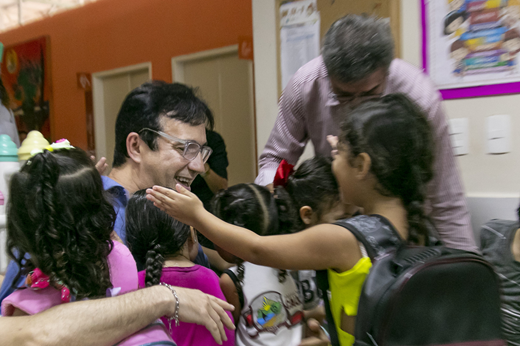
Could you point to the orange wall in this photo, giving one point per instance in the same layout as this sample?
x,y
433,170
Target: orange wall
x,y
114,33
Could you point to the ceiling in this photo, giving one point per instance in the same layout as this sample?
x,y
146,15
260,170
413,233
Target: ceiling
x,y
14,13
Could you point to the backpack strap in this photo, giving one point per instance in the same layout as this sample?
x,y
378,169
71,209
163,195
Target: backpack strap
x,y
375,232
377,236
322,281
234,278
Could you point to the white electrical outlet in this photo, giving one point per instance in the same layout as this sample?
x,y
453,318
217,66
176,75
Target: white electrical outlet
x,y
498,131
459,135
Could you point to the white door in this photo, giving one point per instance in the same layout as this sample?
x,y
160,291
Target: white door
x,y
225,83
110,90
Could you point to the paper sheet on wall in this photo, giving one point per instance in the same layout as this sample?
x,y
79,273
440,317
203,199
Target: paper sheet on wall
x,y
473,42
299,36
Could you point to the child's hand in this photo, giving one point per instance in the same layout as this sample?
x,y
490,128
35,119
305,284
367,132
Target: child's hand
x,y
182,205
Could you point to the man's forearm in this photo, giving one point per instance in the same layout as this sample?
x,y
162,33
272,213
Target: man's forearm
x,y
215,182
93,322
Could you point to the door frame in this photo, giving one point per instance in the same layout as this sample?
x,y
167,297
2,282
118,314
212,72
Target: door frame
x,y
178,76
99,101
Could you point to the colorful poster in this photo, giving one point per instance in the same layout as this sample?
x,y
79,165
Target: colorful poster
x,y
469,44
27,83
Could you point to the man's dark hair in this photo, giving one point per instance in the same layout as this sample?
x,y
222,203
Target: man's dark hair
x,y
356,46
146,104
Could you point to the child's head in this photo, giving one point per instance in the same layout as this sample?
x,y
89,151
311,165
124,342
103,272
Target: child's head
x,y
314,193
386,147
57,213
153,235
255,208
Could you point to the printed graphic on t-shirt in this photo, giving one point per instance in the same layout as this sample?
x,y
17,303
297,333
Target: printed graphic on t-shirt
x,y
269,311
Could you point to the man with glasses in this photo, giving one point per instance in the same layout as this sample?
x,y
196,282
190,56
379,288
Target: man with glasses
x,y
356,65
160,140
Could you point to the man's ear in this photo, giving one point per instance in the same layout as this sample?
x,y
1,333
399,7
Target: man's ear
x,y
362,163
306,214
133,146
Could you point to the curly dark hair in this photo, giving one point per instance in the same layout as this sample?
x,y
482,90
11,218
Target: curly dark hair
x,y
59,215
396,135
152,235
254,207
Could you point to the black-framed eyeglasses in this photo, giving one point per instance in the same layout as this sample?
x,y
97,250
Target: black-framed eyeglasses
x,y
191,148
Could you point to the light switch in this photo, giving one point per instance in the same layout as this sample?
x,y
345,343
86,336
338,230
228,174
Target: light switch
x,y
498,134
459,136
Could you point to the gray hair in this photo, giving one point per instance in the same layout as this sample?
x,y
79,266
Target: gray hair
x,y
356,46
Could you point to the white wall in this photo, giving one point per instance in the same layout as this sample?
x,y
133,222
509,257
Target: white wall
x,y
266,79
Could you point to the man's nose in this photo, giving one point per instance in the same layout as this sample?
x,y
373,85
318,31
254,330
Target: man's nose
x,y
197,165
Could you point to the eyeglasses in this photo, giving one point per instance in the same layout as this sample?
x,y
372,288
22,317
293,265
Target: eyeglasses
x,y
191,148
361,98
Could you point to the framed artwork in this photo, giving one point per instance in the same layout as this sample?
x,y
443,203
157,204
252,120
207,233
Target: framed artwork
x,y
25,75
471,48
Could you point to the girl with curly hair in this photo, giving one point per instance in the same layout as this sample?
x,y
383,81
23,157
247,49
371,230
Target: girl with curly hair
x,y
60,231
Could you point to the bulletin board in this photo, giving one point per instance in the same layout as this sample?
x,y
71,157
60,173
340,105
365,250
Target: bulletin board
x,y
332,10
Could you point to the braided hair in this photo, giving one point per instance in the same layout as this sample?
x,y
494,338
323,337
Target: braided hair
x,y
254,207
58,214
396,135
152,235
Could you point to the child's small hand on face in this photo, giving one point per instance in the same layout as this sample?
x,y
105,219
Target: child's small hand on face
x,y
182,205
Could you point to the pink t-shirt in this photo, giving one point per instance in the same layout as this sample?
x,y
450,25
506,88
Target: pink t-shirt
x,y
200,278
123,276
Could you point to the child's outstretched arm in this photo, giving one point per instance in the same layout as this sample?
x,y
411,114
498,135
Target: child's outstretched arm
x,y
320,247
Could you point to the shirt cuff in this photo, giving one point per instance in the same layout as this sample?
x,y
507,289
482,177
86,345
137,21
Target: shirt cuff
x,y
266,175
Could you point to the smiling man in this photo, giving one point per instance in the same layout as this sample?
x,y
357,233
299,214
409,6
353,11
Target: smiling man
x,y
357,64
160,140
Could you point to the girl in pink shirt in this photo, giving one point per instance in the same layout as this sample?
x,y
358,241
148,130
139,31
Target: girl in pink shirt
x,y
168,248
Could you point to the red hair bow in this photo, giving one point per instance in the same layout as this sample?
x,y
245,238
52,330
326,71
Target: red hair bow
x,y
283,173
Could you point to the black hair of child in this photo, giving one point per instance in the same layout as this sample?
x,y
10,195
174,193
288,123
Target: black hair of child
x,y
152,235
313,184
396,135
255,208
58,213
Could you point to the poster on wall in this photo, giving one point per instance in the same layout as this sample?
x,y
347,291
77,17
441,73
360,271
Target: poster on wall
x,y
471,47
299,36
26,80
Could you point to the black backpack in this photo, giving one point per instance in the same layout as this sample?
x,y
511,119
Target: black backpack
x,y
420,295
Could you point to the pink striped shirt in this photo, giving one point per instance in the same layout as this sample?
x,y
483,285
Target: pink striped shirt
x,y
309,111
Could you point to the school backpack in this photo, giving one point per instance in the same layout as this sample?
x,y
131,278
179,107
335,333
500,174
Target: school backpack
x,y
421,295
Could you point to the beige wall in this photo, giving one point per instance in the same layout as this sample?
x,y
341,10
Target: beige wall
x,y
483,175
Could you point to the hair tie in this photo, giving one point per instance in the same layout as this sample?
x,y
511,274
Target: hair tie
x,y
37,280
284,171
59,144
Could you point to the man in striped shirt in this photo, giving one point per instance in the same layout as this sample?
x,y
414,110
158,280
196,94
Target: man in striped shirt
x,y
357,64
